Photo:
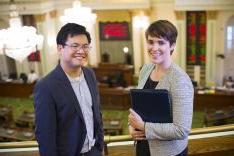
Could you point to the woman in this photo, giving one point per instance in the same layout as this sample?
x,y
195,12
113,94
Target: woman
x,y
164,139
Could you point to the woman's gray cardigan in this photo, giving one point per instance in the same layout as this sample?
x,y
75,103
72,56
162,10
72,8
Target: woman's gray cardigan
x,y
169,139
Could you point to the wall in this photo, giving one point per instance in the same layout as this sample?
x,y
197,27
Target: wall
x,y
46,24
165,10
115,48
229,50
158,9
222,19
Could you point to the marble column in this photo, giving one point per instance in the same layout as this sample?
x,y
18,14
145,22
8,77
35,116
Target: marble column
x,y
46,24
94,54
140,54
179,54
211,48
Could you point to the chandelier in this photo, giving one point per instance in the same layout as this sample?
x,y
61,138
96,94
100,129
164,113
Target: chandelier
x,y
78,14
83,16
141,21
18,41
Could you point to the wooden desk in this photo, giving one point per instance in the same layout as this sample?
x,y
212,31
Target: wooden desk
x,y
218,100
6,115
8,89
107,69
112,126
16,135
219,117
114,98
26,120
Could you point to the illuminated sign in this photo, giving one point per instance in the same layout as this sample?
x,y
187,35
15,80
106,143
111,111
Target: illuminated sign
x,y
114,31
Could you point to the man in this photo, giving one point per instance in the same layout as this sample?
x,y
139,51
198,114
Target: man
x,y
68,119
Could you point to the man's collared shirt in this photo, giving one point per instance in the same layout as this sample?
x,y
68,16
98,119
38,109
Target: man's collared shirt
x,y
83,95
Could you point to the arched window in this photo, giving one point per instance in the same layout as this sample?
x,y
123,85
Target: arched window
x,y
229,49
230,35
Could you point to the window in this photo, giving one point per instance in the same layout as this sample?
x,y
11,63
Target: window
x,y
230,38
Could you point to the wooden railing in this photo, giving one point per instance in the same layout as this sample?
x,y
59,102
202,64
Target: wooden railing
x,y
120,138
199,143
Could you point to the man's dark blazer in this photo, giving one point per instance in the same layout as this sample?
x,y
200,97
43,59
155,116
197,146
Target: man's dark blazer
x,y
60,128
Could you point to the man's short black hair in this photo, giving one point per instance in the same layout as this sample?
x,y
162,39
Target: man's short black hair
x,y
70,30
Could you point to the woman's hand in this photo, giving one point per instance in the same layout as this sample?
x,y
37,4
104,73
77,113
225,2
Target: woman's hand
x,y
135,121
136,134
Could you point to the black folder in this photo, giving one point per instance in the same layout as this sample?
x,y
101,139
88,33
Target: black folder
x,y
153,105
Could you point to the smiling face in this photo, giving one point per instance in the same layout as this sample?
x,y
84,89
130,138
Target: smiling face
x,y
161,39
72,54
159,50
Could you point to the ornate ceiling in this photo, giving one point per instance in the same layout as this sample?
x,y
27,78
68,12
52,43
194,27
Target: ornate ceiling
x,y
41,6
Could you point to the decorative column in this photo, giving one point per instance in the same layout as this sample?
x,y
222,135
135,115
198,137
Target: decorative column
x,y
3,58
140,23
46,24
40,19
179,54
94,56
3,65
211,46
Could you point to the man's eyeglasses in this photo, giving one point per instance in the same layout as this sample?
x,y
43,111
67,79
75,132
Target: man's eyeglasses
x,y
76,47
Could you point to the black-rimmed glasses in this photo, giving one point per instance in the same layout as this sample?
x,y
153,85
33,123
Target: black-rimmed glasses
x,y
76,47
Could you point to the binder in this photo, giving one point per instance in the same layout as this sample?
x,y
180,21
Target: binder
x,y
153,105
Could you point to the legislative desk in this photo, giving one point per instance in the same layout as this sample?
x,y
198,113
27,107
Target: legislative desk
x,y
10,89
110,70
215,100
118,98
6,115
26,119
114,98
11,134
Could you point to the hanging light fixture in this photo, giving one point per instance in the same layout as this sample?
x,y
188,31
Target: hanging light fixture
x,y
18,41
78,14
83,16
141,21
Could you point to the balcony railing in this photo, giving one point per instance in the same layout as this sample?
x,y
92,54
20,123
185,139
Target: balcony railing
x,y
199,142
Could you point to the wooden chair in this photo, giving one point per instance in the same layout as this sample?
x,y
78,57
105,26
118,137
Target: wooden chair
x,y
6,116
218,117
25,120
112,126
